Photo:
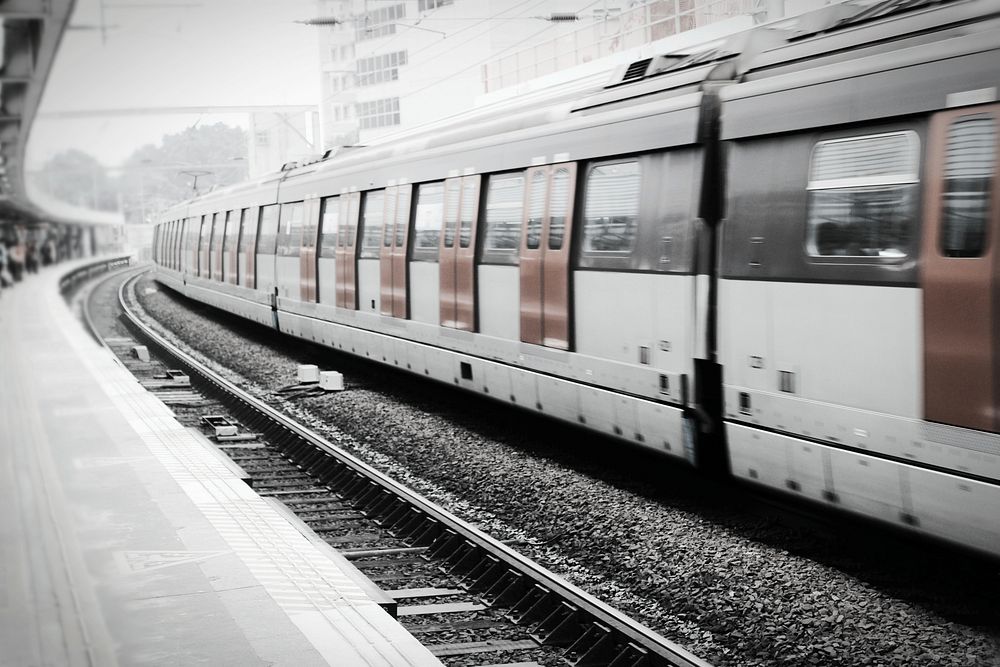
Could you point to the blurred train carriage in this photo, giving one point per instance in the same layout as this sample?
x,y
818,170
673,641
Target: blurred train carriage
x,y
772,257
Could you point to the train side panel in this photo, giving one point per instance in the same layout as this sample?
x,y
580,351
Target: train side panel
x,y
823,296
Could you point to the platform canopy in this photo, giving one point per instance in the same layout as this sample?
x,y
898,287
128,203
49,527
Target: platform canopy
x,y
32,31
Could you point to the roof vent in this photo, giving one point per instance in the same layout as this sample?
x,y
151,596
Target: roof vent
x,y
636,70
338,150
288,166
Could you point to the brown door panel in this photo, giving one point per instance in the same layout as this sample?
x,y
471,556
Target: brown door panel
x,y
400,246
556,296
351,253
535,211
465,255
385,252
340,255
307,254
960,295
448,244
251,249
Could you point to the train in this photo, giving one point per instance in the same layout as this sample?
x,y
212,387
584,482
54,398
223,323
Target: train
x,y
770,257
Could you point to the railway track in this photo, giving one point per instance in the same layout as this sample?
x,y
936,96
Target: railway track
x,y
470,598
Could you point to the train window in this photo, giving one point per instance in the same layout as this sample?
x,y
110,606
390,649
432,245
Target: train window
x,y
205,234
468,211
402,215
536,209
863,196
611,209
218,221
246,233
232,232
329,226
290,224
388,217
968,179
558,203
427,221
373,212
267,230
451,213
504,208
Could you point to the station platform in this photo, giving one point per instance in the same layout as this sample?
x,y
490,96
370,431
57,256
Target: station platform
x,y
124,540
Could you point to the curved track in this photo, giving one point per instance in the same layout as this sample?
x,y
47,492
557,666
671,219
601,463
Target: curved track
x,y
554,613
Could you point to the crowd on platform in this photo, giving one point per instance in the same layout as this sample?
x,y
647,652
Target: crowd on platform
x,y
25,249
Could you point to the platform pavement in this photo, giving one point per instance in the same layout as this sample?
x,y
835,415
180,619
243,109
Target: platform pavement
x,y
123,541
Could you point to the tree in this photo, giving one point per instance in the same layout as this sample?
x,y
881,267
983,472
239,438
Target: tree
x,y
78,178
153,176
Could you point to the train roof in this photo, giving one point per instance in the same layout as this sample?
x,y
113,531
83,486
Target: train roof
x,y
816,54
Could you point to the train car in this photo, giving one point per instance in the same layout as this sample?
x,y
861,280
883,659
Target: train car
x,y
856,290
771,257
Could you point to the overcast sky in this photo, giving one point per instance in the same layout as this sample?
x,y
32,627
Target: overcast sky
x,y
172,53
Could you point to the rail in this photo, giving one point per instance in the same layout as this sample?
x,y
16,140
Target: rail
x,y
69,283
555,612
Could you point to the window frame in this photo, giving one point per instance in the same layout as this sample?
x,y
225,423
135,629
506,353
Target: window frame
x,y
326,250
912,179
371,241
495,255
990,190
267,235
420,253
288,242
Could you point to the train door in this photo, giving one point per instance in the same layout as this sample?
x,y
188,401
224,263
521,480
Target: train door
x,y
246,248
164,256
171,236
400,247
267,248
307,256
194,244
392,257
346,256
233,224
182,245
288,258
385,251
961,269
215,246
545,255
204,248
457,253
326,271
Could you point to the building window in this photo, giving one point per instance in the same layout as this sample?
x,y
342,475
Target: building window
x,y
863,196
968,179
380,68
427,5
379,22
611,209
378,113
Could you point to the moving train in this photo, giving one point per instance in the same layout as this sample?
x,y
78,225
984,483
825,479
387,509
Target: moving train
x,y
771,257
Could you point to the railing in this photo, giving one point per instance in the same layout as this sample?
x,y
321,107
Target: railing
x,y
69,283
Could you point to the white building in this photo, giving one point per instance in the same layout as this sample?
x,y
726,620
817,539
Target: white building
x,y
278,135
391,65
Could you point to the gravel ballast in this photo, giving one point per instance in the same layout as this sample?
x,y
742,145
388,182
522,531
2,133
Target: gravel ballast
x,y
644,535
